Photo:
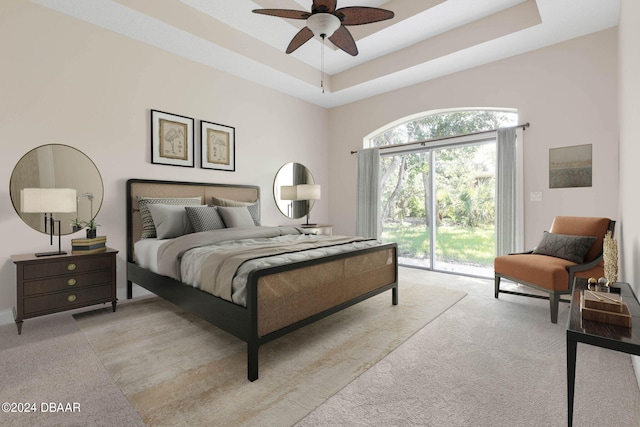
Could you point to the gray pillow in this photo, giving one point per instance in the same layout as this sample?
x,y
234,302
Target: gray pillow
x,y
204,218
148,229
254,207
571,248
170,220
236,216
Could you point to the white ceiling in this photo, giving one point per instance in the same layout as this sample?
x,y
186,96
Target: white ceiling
x,y
426,39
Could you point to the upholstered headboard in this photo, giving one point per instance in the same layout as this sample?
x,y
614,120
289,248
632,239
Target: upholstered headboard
x,y
170,189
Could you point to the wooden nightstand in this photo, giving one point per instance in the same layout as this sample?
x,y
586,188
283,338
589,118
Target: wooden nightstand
x,y
52,284
318,229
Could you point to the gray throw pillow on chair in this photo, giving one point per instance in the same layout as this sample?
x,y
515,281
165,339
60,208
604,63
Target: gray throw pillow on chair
x,y
565,246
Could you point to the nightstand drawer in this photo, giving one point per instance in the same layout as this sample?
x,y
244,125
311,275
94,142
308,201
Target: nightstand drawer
x,y
66,266
66,283
66,300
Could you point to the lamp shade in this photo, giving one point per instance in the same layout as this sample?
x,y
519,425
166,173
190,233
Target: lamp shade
x,y
288,192
309,192
48,200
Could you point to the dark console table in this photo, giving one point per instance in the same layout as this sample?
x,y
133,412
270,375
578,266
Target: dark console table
x,y
603,335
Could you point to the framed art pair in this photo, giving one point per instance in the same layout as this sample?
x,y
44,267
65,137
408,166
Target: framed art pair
x,y
172,142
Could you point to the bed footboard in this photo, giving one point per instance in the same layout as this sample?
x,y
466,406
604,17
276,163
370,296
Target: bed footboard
x,y
282,299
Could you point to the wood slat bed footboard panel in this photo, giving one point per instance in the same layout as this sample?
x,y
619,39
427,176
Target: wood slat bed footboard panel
x,y
288,297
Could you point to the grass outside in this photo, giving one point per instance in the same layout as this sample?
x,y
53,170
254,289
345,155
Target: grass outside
x,y
457,245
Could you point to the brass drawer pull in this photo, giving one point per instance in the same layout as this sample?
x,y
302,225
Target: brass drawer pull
x,y
71,282
71,298
71,267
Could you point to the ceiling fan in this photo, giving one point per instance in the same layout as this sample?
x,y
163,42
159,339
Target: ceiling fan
x,y
326,22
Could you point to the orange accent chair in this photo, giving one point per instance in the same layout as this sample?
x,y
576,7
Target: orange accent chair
x,y
548,267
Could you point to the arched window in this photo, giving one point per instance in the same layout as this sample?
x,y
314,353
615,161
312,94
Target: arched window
x,y
438,187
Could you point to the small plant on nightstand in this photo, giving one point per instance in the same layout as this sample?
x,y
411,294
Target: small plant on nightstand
x,y
76,224
92,228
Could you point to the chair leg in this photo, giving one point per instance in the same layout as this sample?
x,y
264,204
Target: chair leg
x,y
554,301
496,286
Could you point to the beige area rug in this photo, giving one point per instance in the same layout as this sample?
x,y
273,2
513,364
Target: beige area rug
x,y
177,369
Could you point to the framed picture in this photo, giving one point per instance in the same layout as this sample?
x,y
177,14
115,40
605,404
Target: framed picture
x,y
217,146
171,139
570,166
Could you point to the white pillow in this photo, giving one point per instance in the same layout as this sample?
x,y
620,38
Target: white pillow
x,y
236,216
170,220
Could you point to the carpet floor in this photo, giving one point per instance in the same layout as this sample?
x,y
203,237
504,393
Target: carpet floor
x,y
177,369
487,362
52,362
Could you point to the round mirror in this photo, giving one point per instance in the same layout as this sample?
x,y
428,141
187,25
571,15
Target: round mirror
x,y
58,166
289,175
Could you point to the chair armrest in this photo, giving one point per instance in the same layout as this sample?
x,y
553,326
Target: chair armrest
x,y
521,253
572,269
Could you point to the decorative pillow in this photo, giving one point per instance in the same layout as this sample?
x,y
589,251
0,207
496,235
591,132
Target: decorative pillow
x,y
236,216
571,248
148,229
204,218
170,220
254,207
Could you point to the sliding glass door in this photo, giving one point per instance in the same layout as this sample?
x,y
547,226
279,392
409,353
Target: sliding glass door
x,y
406,206
464,185
438,204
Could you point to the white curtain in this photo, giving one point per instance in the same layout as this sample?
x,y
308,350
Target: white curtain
x,y
508,193
367,197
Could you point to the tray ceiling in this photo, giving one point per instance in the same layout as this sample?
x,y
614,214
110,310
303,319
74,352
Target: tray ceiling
x,y
426,39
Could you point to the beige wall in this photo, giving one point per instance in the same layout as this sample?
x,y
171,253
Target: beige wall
x,y
568,92
66,81
629,89
629,138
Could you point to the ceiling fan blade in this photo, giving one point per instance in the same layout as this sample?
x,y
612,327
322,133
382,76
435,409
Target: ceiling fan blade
x,y
343,39
303,36
283,13
359,15
324,6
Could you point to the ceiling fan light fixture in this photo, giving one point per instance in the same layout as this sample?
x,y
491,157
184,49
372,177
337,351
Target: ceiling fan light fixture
x,y
323,24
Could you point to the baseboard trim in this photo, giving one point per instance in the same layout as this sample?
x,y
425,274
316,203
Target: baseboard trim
x,y
635,361
6,316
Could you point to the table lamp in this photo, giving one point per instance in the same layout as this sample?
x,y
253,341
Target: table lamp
x,y
48,201
306,192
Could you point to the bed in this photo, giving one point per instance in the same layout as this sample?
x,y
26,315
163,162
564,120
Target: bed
x,y
277,299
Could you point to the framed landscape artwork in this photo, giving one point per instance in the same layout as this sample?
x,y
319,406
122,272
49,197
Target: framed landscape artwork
x,y
171,139
570,166
218,146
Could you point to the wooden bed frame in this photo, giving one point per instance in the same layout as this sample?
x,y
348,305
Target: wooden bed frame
x,y
268,315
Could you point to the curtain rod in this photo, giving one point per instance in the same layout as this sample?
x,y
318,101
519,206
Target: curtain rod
x,y
524,126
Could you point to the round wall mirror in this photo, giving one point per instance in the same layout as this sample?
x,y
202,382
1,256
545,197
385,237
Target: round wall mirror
x,y
58,166
292,174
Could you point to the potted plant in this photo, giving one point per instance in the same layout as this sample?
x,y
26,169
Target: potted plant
x,y
76,224
91,228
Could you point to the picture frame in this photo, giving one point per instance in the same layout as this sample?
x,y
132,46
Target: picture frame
x,y
571,166
217,146
172,140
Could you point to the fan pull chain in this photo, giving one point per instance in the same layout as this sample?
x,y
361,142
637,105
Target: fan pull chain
x,y
322,64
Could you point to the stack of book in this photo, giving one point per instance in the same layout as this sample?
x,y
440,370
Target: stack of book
x,y
605,307
89,246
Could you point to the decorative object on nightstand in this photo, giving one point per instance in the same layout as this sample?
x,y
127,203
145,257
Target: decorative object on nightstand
x,y
59,283
87,246
303,192
48,201
610,257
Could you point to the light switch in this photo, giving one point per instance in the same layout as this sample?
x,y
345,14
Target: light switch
x,y
535,196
